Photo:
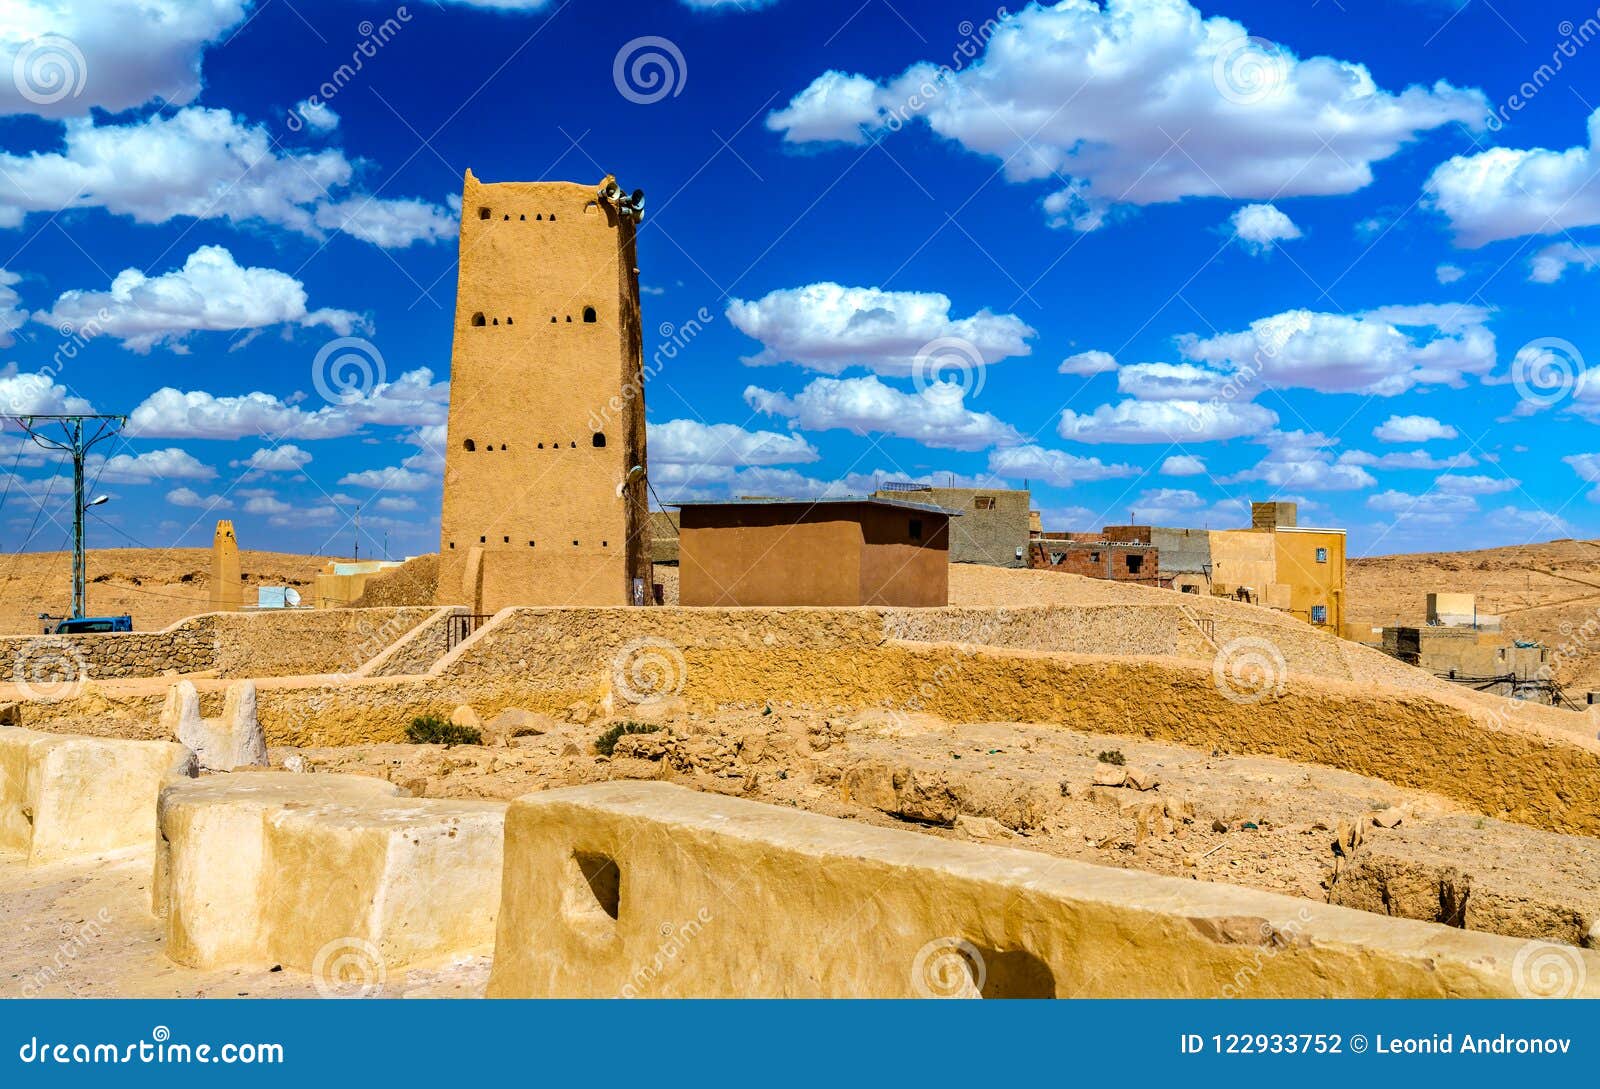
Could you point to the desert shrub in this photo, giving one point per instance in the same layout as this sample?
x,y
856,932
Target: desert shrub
x,y
431,729
1113,756
606,743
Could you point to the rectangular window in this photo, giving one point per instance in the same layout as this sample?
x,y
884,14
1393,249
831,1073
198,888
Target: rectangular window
x,y
1134,563
983,502
1322,555
916,529
1319,614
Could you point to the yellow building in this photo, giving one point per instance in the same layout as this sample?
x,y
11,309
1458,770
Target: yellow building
x,y
1311,563
544,492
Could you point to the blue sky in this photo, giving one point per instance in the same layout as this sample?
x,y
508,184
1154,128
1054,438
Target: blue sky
x,y
1157,261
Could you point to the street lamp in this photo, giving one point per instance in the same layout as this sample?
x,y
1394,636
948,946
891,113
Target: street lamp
x,y
96,501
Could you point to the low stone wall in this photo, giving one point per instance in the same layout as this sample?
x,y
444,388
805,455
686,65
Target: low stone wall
x,y
46,661
1535,766
651,890
306,642
332,874
63,796
418,650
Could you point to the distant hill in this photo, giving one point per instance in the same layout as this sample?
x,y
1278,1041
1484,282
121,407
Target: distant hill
x,y
1546,592
154,586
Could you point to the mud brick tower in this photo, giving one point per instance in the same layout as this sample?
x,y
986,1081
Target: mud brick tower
x,y
542,503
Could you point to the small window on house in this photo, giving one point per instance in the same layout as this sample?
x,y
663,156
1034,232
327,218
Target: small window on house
x,y
468,445
1322,555
916,529
599,440
1094,557
477,319
589,316
1319,614
1134,563
983,502
483,213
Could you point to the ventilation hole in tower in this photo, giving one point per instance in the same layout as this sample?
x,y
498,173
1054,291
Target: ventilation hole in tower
x,y
507,217
524,219
589,316
452,544
478,319
506,539
552,217
497,321
509,322
540,217
573,445
574,544
483,540
541,446
599,440
468,445
530,544
483,213
605,544
502,446
569,319
552,319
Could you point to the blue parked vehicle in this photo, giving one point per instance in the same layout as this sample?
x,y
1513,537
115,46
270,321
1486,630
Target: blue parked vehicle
x,y
86,625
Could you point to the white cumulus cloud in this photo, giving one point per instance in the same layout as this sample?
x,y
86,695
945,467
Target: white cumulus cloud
x,y
1504,192
211,292
1140,102
1056,467
1412,429
935,416
1183,465
690,442
1087,364
207,164
1166,421
1260,227
828,327
1551,263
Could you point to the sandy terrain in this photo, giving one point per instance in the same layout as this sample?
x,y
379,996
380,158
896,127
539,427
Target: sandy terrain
x,y
1546,592
154,586
1259,822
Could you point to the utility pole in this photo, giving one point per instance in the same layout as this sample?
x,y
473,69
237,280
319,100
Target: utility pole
x,y
358,533
82,432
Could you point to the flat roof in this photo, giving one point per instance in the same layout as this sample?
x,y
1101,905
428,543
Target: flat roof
x,y
869,500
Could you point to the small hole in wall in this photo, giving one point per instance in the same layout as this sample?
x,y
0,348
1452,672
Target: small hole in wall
x,y
540,217
552,319
530,544
477,320
497,321
574,544
483,213
604,880
507,540
523,218
452,544
552,217
599,440
507,218
589,315
509,321
483,540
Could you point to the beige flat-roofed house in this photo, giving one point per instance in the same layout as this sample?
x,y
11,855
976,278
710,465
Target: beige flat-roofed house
x,y
848,551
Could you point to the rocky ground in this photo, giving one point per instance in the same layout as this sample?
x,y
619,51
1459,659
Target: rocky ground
x,y
1302,830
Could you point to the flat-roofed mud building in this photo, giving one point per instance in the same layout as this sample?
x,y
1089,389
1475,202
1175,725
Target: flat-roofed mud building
x,y
848,551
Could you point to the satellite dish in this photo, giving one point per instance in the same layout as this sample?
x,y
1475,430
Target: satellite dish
x,y
291,597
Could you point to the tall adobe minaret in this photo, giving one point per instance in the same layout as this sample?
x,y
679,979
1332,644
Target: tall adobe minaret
x,y
542,501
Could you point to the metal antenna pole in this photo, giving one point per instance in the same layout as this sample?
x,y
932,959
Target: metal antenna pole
x,y
79,441
358,533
